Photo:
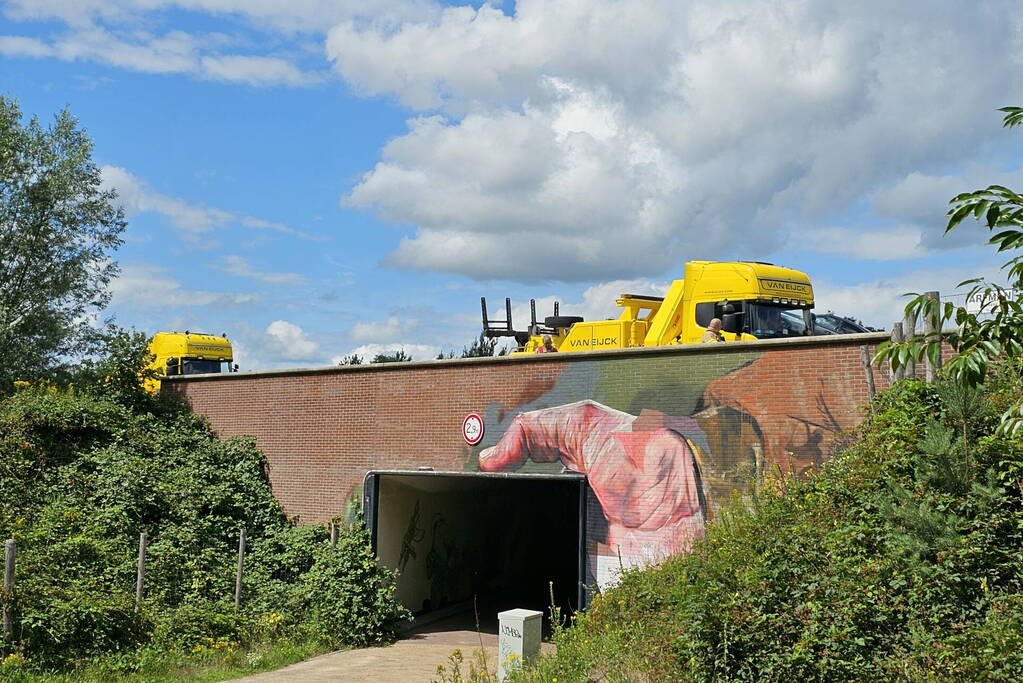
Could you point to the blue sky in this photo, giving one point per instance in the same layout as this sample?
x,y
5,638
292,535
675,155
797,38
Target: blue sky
x,y
320,177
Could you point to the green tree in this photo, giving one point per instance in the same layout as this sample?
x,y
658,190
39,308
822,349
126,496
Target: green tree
x,y
351,359
57,230
480,347
118,369
994,332
398,356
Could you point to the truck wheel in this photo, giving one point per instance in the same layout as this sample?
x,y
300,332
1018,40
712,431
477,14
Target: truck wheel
x,y
562,321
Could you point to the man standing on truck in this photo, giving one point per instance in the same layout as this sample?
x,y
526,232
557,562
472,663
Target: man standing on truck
x,y
713,333
547,346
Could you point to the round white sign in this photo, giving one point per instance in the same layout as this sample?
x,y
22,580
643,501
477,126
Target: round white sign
x,y
472,429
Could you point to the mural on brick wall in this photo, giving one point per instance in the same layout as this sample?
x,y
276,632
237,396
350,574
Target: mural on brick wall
x,y
664,442
665,439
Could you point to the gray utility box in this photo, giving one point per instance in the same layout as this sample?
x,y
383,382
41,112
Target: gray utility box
x,y
518,640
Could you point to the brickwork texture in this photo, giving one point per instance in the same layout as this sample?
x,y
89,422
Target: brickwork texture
x,y
663,435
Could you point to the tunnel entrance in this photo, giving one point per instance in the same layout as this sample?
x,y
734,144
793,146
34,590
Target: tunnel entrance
x,y
493,541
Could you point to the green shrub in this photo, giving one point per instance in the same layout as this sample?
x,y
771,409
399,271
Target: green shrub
x,y
901,560
84,470
351,597
198,626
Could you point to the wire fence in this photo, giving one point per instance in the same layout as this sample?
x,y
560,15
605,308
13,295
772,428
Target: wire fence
x,y
7,598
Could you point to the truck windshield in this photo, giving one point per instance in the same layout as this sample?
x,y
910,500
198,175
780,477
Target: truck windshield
x,y
765,321
199,366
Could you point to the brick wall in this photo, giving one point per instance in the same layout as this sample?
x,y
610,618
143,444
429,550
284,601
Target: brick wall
x,y
744,408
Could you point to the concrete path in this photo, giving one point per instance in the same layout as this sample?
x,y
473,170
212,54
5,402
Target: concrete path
x,y
411,660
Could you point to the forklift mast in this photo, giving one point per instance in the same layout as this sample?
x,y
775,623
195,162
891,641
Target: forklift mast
x,y
505,328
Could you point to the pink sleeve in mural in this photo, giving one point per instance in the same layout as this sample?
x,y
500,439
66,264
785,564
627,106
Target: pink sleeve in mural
x,y
641,472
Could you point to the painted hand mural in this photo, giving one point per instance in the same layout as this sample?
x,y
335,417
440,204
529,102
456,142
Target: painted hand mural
x,y
695,434
640,468
796,421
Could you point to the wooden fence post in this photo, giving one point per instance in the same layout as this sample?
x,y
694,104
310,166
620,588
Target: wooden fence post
x,y
333,535
897,337
140,574
241,569
10,550
868,371
908,332
932,328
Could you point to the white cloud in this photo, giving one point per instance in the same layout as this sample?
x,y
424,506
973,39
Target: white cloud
x,y
175,52
237,265
389,330
599,139
368,351
922,200
151,287
279,345
290,342
294,15
596,303
113,32
21,46
880,301
875,245
506,195
137,197
193,220
255,70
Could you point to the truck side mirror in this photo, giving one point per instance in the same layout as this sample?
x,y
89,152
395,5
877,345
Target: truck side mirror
x,y
731,322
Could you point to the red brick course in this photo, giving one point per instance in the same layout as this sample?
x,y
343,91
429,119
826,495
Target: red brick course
x,y
323,429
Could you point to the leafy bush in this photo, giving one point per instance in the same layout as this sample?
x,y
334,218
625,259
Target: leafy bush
x,y
351,596
193,626
85,469
902,560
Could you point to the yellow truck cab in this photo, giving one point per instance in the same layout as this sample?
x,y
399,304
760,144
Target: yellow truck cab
x,y
187,353
753,300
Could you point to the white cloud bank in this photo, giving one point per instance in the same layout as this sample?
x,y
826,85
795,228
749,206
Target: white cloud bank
x,y
586,140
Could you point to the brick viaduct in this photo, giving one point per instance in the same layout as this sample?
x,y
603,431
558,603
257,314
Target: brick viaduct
x,y
743,408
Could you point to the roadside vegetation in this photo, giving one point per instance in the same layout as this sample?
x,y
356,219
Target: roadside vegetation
x,y
85,468
902,560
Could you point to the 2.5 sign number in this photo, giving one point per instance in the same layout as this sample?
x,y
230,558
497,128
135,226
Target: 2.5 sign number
x,y
472,429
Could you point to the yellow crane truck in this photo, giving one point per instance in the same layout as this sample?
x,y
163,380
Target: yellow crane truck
x,y
753,300
187,353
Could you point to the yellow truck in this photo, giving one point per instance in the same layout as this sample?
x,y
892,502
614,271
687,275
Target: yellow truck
x,y
753,300
187,353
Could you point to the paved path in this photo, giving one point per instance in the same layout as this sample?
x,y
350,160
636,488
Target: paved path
x,y
405,661
411,660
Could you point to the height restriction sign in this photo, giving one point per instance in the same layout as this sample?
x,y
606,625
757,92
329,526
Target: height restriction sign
x,y
472,429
